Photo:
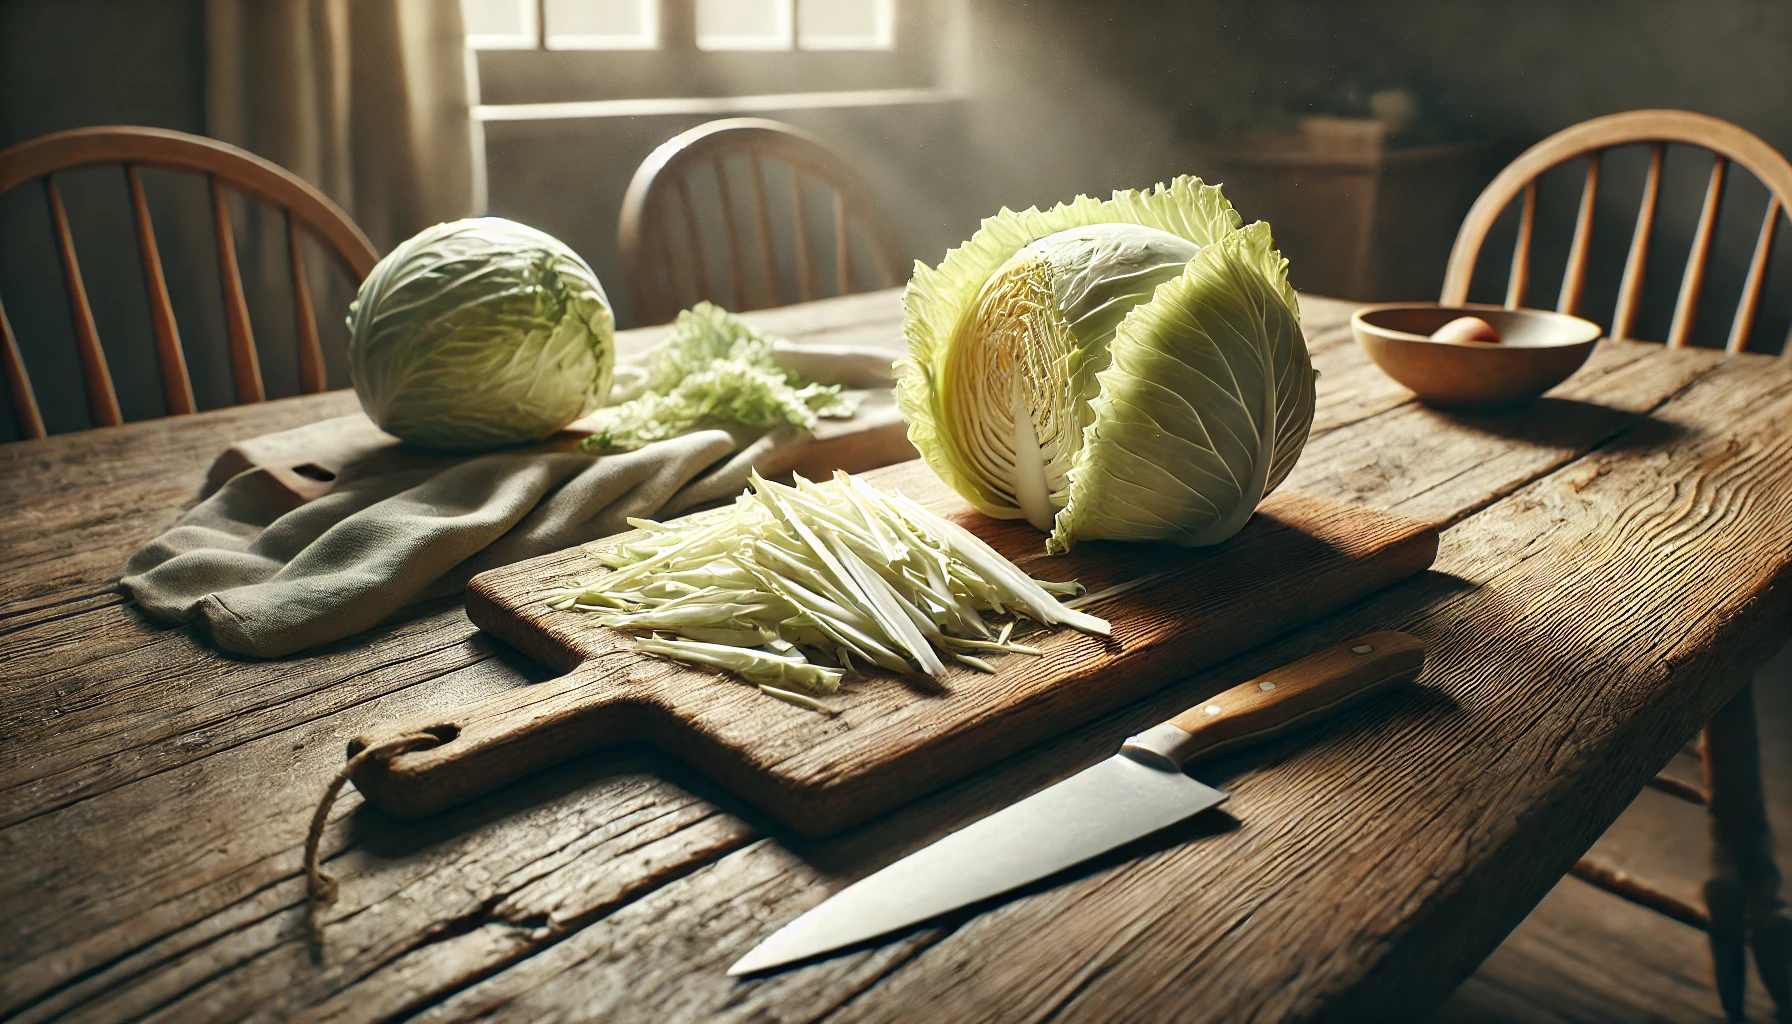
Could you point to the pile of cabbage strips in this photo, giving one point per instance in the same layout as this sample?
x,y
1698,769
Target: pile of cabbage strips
x,y
790,586
714,369
1129,370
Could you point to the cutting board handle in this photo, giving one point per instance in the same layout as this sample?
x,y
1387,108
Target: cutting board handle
x,y
1281,700
504,738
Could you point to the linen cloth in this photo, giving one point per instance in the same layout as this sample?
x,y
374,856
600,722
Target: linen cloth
x,y
266,575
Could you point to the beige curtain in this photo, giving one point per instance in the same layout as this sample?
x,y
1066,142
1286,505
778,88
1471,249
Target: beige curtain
x,y
367,99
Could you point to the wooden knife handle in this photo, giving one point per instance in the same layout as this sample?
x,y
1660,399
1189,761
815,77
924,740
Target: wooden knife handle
x,y
1284,699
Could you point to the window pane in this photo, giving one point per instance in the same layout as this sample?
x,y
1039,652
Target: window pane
x,y
603,24
499,24
846,24
743,24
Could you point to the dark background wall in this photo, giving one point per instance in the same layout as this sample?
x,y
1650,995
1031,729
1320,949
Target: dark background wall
x,y
1060,97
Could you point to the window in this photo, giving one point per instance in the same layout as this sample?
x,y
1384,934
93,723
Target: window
x,y
846,25
744,24
559,59
602,24
715,25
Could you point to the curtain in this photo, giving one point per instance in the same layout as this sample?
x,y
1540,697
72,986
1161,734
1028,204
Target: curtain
x,y
367,99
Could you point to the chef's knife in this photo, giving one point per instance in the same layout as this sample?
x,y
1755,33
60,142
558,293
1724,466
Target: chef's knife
x,y
1132,794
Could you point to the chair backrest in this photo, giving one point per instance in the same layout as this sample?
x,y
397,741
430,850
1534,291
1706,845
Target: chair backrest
x,y
663,237
223,166
1657,128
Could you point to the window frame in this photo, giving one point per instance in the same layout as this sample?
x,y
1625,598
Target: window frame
x,y
523,77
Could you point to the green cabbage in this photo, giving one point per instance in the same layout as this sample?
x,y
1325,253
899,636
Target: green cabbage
x,y
1124,370
478,334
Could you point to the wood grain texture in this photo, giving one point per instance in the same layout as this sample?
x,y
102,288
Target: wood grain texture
x,y
1613,562
892,738
1259,709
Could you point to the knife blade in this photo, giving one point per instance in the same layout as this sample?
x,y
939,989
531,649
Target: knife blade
x,y
1134,793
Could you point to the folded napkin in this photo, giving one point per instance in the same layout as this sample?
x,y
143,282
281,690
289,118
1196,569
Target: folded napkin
x,y
266,573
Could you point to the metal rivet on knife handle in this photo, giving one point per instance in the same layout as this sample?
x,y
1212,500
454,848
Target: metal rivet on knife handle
x,y
1258,709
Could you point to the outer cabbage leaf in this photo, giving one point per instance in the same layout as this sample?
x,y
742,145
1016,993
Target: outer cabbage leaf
x,y
1203,408
1047,363
480,333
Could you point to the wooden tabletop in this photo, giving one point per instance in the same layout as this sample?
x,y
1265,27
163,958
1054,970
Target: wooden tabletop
x,y
1614,565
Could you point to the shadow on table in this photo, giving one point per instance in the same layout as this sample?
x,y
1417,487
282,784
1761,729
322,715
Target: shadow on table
x,y
1556,421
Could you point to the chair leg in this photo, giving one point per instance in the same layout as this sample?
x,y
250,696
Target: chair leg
x,y
1743,896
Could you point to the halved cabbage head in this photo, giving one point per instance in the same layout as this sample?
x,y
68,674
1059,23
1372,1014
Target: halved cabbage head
x,y
1127,370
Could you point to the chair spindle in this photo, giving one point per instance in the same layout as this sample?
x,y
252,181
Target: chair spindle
x,y
101,397
311,353
1751,285
691,233
18,383
842,245
177,385
664,243
1520,277
737,264
1574,279
131,149
1636,265
805,256
245,365
762,228
1692,285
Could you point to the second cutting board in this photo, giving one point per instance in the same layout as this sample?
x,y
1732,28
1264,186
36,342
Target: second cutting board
x,y
1174,612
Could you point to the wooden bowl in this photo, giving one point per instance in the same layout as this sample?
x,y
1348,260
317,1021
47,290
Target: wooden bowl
x,y
1538,350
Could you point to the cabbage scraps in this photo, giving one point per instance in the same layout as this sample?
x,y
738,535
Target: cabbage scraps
x,y
1127,370
714,369
478,334
790,586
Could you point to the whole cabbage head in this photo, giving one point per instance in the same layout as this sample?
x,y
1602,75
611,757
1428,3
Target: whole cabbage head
x,y
1125,370
480,333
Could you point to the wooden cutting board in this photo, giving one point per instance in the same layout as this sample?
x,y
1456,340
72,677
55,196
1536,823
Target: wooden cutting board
x,y
893,739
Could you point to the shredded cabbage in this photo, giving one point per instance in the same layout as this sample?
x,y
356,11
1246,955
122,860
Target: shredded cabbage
x,y
714,369
791,585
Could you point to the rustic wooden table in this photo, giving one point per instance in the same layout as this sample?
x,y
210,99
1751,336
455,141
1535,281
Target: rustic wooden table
x,y
1615,563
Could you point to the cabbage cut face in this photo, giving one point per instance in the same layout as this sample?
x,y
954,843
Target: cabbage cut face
x,y
480,333
1128,370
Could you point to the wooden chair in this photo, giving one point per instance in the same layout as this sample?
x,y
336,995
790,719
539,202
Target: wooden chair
x,y
1590,139
663,236
1743,902
224,166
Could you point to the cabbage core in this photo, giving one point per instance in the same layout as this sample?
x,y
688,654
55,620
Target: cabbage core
x,y
1021,368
